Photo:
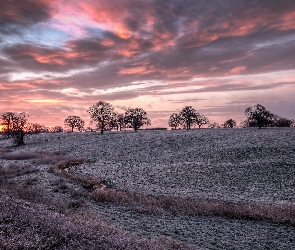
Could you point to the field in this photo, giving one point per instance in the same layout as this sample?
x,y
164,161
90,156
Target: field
x,y
203,189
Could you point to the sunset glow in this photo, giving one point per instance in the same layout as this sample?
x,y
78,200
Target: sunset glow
x,y
58,58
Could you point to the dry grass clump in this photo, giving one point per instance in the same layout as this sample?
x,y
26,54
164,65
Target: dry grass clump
x,y
54,158
180,206
41,157
19,155
61,168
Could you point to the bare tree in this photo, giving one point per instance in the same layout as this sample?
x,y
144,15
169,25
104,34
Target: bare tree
x,y
6,121
102,114
188,114
121,121
201,120
136,118
56,129
214,125
175,120
74,122
15,125
230,124
35,128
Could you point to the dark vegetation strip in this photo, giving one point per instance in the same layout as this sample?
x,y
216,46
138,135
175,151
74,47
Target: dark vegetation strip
x,y
100,191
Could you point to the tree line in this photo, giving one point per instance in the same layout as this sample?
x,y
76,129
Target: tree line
x,y
104,117
257,116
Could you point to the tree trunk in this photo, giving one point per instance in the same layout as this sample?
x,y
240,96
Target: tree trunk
x,y
188,125
19,138
102,128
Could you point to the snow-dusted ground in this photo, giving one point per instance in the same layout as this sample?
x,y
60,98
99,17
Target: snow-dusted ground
x,y
227,164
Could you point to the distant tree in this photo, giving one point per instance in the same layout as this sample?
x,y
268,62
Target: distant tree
x,y
56,129
74,122
117,122
201,120
89,129
120,121
188,114
19,123
102,115
230,124
6,121
283,122
136,118
175,120
214,125
35,128
258,116
15,125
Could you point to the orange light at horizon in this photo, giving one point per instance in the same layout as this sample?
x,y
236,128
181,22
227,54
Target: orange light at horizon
x,y
1,128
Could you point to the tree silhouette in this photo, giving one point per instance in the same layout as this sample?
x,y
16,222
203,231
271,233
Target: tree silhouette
x,y
188,114
6,121
214,125
15,125
74,122
136,118
258,116
201,120
120,121
56,129
230,124
102,115
278,121
35,128
175,120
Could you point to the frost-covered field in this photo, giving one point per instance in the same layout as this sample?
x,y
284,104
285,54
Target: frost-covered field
x,y
240,165
227,164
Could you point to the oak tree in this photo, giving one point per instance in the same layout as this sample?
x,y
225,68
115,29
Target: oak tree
x,y
74,122
102,115
136,118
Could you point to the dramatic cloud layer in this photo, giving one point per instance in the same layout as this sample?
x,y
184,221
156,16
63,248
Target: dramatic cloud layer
x,y
58,58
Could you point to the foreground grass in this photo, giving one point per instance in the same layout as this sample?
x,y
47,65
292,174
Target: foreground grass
x,y
144,205
31,219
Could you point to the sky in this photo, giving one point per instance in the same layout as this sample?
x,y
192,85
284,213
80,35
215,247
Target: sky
x,y
60,57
